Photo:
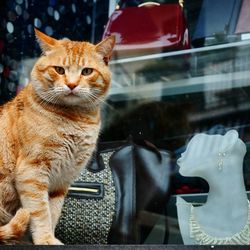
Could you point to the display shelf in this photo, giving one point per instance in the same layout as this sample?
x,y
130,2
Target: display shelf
x,y
184,86
205,69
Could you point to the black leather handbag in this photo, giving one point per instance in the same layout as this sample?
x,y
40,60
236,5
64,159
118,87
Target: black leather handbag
x,y
118,196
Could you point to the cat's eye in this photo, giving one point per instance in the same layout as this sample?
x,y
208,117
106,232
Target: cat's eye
x,y
87,71
59,70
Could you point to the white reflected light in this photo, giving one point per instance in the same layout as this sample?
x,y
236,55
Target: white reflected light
x,y
1,68
50,11
19,10
49,31
56,15
37,22
10,27
73,7
88,19
245,36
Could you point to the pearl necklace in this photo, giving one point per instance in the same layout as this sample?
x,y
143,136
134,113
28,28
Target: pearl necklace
x,y
197,233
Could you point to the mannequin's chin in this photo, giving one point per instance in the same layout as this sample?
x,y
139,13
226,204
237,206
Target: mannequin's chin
x,y
185,172
182,172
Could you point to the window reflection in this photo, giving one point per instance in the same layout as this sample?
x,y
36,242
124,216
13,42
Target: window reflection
x,y
164,96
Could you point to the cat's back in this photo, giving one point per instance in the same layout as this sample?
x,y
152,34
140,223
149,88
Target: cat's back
x,y
1,108
11,111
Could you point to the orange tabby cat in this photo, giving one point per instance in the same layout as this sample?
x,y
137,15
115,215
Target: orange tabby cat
x,y
48,133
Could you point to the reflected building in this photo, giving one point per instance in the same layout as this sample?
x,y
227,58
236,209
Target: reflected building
x,y
76,20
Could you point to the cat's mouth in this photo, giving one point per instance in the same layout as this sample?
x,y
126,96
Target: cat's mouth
x,y
72,98
71,94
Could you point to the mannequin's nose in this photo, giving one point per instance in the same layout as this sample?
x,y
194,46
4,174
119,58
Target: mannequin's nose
x,y
178,161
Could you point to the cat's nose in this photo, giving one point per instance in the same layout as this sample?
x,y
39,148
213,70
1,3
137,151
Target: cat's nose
x,y
72,85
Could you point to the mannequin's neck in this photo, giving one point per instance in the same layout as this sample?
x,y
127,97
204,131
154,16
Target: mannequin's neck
x,y
227,189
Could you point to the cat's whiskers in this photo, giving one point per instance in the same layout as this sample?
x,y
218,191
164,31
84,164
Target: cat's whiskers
x,y
49,96
86,94
96,98
100,99
46,96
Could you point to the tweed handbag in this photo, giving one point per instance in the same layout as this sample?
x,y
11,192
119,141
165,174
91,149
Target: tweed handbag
x,y
112,200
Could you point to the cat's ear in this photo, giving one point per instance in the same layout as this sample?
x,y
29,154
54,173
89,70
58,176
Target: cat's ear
x,y
46,42
105,48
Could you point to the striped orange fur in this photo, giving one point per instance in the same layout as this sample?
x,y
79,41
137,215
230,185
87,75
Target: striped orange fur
x,y
48,133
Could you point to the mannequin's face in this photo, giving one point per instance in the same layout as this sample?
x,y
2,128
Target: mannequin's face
x,y
201,155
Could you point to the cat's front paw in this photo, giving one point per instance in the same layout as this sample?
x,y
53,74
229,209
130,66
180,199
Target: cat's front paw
x,y
48,240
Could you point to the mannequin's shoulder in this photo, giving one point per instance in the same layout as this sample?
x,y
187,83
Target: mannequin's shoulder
x,y
182,205
183,212
183,209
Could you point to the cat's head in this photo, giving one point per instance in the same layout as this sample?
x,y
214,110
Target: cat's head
x,y
72,73
204,153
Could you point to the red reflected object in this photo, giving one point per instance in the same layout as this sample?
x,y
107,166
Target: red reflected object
x,y
1,45
6,72
148,29
187,190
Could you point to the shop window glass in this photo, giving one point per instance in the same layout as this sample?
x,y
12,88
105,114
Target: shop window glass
x,y
189,73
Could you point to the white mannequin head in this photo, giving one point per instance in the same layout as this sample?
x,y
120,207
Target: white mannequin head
x,y
207,154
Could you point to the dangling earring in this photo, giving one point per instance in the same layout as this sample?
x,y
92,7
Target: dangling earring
x,y
221,162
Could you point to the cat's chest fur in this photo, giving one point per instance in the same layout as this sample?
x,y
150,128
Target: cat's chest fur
x,y
58,141
73,151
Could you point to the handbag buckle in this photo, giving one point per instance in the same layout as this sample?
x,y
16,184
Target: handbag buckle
x,y
86,190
